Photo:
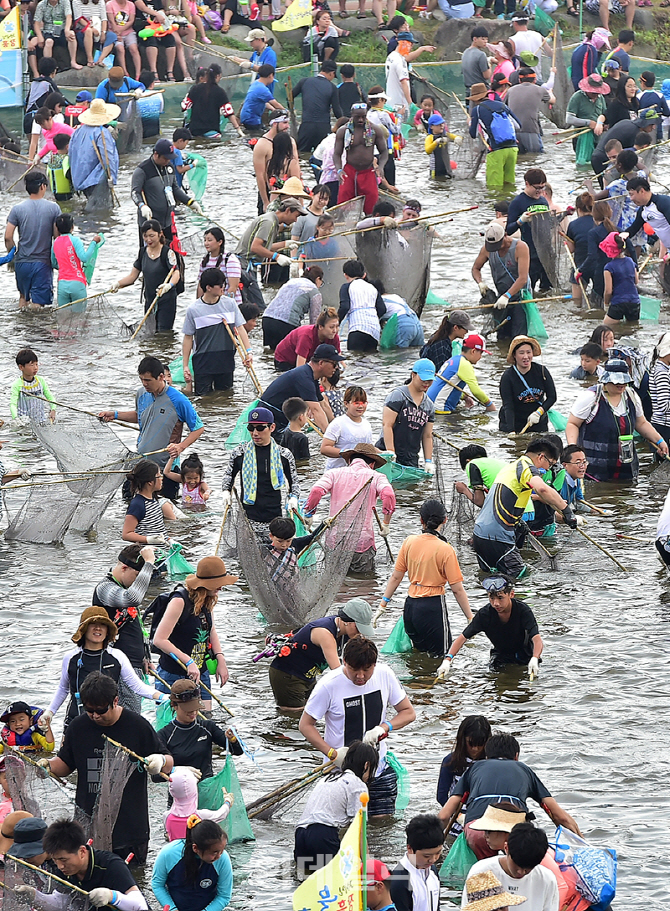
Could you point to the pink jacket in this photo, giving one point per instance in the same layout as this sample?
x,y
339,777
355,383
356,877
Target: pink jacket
x,y
343,483
49,135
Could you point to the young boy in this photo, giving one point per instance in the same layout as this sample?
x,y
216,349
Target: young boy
x,y
68,256
436,146
349,91
519,870
58,168
25,728
285,547
574,462
29,384
414,884
250,312
180,139
591,357
293,438
458,372
480,473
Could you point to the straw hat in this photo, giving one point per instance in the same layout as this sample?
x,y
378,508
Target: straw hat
x,y
497,820
293,187
366,449
523,340
210,574
95,615
485,893
99,113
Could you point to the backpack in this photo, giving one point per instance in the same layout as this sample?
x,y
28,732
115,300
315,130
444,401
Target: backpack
x,y
181,266
249,289
502,128
156,610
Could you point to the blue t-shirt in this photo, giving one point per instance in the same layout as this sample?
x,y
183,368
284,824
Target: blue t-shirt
x,y
624,289
254,104
157,415
578,232
178,162
268,56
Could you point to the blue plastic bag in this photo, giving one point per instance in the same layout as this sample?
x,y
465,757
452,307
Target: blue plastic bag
x,y
595,867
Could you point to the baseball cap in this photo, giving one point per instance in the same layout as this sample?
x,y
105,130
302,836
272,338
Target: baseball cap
x,y
407,36
164,147
84,96
28,835
327,353
261,416
435,119
424,369
116,75
475,342
376,871
15,708
461,319
360,612
290,202
255,33
494,236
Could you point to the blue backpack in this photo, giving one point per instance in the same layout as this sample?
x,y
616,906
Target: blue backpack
x,y
502,128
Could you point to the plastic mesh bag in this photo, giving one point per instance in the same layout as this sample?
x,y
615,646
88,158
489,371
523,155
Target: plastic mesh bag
x,y
584,146
239,433
210,797
534,324
398,642
558,421
403,475
175,563
176,368
197,177
400,259
402,799
434,300
389,336
650,309
457,864
165,713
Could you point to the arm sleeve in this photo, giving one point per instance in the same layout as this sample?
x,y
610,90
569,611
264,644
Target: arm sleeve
x,y
233,467
476,625
63,689
549,390
224,887
297,89
401,894
445,781
430,143
637,225
137,186
335,101
185,411
85,255
466,372
473,477
321,488
14,398
292,473
380,306
46,392
130,678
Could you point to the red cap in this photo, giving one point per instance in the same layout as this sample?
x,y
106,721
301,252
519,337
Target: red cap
x,y
376,871
475,341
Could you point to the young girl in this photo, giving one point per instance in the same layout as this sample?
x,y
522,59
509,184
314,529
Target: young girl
x,y
334,396
190,475
333,804
471,737
348,429
145,517
621,277
68,256
426,110
216,258
195,872
183,788
321,246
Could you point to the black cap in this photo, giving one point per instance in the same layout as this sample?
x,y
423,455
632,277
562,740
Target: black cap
x,y
327,353
28,835
130,556
14,709
165,148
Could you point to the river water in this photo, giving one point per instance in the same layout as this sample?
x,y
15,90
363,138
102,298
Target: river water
x,y
594,726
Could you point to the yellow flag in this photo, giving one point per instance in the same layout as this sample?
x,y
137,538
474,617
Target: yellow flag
x,y
10,31
297,15
338,885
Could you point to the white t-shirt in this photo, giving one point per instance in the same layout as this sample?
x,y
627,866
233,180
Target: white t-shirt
x,y
345,434
333,802
349,710
539,887
663,527
529,41
396,72
583,404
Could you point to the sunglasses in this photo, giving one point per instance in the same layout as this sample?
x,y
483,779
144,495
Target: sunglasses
x,y
91,710
252,427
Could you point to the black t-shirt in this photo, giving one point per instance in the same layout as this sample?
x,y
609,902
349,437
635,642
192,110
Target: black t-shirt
x,y
521,397
305,659
578,232
190,634
191,744
83,748
105,870
154,272
267,505
299,383
490,780
207,101
296,442
512,639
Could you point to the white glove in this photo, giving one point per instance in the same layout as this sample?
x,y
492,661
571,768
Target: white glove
x,y
429,466
534,666
522,219
292,245
164,288
45,767
156,540
245,64
444,668
581,521
28,891
25,475
178,514
309,521
115,287
502,302
283,260
197,774
146,212
389,222
241,133
154,763
378,613
535,418
138,93
341,754
483,288
384,530
44,721
292,504
226,498
21,421
228,797
100,897
388,455
372,737
457,140
195,206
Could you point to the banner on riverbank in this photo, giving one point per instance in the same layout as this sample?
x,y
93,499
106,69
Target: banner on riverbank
x,y
11,79
298,15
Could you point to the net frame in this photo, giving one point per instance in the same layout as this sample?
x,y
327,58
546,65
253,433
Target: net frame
x,y
116,769
546,233
94,318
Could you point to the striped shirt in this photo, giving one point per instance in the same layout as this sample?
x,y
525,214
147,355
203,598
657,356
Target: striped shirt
x,y
659,389
149,515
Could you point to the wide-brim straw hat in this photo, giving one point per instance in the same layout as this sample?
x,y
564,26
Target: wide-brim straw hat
x,y
478,92
210,574
99,113
95,615
523,340
292,187
486,893
368,450
497,820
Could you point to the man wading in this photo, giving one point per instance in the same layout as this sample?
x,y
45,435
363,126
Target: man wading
x,y
360,139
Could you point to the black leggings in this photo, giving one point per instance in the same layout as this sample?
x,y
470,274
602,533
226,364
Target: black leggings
x,y
274,331
315,846
361,341
236,19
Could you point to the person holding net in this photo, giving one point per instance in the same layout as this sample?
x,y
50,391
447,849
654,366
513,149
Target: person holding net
x,y
194,873
509,262
28,391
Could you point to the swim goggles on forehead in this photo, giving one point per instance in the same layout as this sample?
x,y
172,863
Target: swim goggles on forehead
x,y
186,696
496,584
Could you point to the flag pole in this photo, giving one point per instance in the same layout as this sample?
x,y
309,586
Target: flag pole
x,y
364,799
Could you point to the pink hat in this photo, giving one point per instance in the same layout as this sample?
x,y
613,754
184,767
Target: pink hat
x,y
609,246
184,790
601,38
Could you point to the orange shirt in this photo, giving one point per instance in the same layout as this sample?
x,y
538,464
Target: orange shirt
x,y
430,564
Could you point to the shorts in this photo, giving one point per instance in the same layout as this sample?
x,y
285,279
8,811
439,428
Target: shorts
x,y
68,291
383,792
128,40
500,165
498,555
58,40
289,691
463,11
315,846
35,282
593,6
165,41
172,678
627,311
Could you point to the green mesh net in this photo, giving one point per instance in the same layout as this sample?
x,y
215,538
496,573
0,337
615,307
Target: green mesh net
x,y
389,336
650,309
584,146
90,265
164,715
174,563
535,326
433,300
176,368
557,420
398,642
210,797
544,24
402,800
197,178
457,864
239,433
403,475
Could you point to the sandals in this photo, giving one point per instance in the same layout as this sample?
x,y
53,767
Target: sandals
x,y
345,15
170,77
361,16
573,12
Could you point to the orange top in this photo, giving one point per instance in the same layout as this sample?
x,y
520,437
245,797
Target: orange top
x,y
430,564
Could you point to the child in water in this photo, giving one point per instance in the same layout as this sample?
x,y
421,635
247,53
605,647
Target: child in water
x,y
194,492
183,789
24,729
425,112
471,737
621,298
436,146
22,404
69,257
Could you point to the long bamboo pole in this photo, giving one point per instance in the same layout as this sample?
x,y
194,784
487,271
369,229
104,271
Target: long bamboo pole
x,y
153,304
603,549
204,686
80,410
134,755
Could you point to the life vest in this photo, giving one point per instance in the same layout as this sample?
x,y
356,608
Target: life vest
x,y
59,182
599,437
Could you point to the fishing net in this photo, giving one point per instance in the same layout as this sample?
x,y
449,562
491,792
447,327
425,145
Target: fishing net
x,y
557,420
347,214
165,713
389,336
174,563
210,797
398,642
434,300
546,232
293,594
584,146
94,318
461,514
115,770
468,156
15,874
11,172
563,89
650,309
129,131
330,255
403,796
534,324
196,179
399,259
402,476
31,792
